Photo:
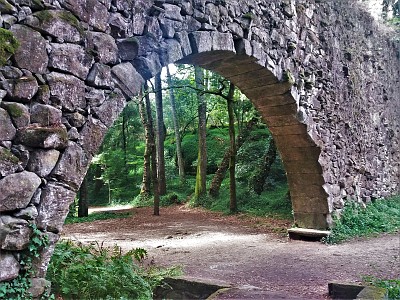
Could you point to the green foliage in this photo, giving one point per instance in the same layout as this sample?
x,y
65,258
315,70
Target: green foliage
x,y
8,45
98,216
391,285
17,288
355,220
273,202
95,272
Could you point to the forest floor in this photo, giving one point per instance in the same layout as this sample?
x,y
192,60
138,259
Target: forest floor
x,y
252,255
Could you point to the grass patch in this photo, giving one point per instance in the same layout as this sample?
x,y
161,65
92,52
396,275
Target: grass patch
x,y
94,272
391,285
98,216
377,217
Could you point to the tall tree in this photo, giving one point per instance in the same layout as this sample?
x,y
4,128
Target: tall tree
x,y
232,158
146,179
201,174
175,120
162,183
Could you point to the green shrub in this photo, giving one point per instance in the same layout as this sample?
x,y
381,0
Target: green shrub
x,y
95,272
355,220
391,285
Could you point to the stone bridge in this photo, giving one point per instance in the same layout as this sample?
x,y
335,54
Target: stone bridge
x,y
324,75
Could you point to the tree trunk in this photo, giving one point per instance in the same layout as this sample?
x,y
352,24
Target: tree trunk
x,y
160,136
153,156
146,180
83,203
201,174
124,142
181,166
223,167
262,174
232,157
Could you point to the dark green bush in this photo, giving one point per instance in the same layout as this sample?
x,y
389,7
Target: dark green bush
x,y
355,220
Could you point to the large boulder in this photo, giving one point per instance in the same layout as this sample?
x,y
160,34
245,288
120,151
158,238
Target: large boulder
x,y
127,79
54,206
7,129
31,54
109,111
9,266
14,233
42,162
16,190
90,11
22,89
50,137
72,166
18,112
45,115
71,58
9,163
92,135
60,24
103,47
67,91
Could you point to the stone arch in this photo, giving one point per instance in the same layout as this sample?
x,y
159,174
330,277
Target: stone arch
x,y
313,69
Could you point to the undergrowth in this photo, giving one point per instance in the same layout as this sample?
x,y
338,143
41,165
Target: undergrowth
x,y
377,217
17,289
391,285
98,216
96,272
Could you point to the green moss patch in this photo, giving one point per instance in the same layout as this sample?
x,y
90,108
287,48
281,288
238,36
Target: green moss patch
x,y
8,45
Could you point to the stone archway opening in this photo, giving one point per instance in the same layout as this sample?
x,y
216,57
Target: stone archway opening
x,y
279,110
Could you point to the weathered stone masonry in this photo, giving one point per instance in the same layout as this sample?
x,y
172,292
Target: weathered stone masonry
x,y
323,75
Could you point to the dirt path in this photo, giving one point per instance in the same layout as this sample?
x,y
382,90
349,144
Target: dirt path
x,y
251,254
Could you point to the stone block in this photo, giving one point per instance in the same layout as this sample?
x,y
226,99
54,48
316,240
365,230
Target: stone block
x,y
51,137
128,49
45,115
200,41
92,135
22,89
72,166
9,266
9,163
54,206
18,112
183,39
170,51
70,58
31,54
92,12
14,233
127,79
110,110
42,162
100,76
67,91
60,24
311,220
103,47
16,190
222,42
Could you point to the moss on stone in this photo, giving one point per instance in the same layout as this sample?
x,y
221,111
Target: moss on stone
x,y
5,5
6,155
44,16
14,110
72,20
8,45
